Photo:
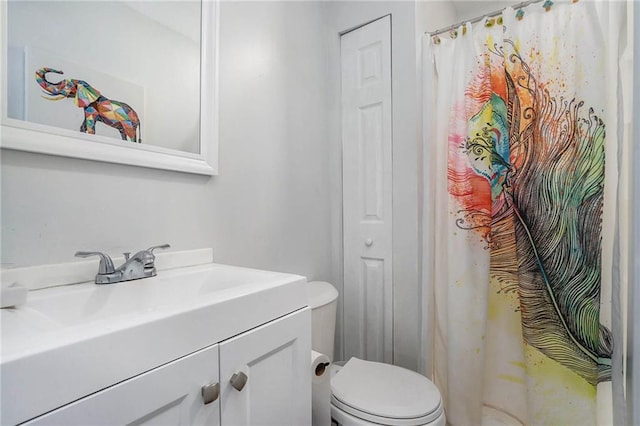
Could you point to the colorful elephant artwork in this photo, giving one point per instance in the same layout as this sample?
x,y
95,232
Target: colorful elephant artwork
x,y
96,107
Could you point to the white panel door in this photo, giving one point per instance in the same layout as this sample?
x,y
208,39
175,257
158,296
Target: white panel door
x,y
272,368
367,186
168,395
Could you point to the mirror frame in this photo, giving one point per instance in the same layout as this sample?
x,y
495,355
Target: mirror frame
x,y
33,137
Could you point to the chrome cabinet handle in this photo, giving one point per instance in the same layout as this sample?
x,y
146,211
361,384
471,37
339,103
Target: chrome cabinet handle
x,y
210,392
239,380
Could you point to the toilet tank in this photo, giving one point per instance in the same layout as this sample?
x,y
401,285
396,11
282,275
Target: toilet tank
x,y
323,300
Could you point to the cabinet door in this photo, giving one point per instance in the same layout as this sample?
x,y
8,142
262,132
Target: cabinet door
x,y
168,395
275,359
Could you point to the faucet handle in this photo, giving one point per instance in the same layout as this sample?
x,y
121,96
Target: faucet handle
x,y
106,264
163,246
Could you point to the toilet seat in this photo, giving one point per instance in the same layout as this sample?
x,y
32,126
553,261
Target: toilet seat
x,y
385,394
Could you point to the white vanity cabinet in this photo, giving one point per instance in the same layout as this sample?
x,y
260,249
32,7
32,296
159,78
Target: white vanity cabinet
x,y
264,379
141,352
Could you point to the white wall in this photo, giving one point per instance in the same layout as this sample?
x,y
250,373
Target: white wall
x,y
268,208
469,9
271,207
53,206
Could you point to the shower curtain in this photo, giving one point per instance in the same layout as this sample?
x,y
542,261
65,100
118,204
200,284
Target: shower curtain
x,y
524,131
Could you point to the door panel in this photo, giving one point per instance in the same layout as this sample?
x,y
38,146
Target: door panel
x,y
367,189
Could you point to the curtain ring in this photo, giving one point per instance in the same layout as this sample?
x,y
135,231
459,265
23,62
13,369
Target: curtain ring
x,y
436,39
489,22
520,14
453,33
547,5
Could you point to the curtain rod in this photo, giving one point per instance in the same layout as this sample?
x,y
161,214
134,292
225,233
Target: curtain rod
x,y
480,18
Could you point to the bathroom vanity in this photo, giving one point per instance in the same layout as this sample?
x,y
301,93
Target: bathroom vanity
x,y
206,344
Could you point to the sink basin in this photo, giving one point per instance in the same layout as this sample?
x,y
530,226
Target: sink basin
x,y
172,290
68,341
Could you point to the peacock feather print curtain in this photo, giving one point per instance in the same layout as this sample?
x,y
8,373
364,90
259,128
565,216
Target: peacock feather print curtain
x,y
521,147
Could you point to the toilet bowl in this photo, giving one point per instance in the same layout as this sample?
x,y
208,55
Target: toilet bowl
x,y
367,392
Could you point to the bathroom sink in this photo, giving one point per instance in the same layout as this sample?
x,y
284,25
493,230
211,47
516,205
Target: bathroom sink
x,y
73,340
86,303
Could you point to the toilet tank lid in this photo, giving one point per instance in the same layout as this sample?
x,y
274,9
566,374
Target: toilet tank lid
x,y
320,293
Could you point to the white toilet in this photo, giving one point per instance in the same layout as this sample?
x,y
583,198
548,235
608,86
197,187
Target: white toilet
x,y
365,392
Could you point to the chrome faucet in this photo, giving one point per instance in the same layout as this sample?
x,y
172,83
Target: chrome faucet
x,y
140,265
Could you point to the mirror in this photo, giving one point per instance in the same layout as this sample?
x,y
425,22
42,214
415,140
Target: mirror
x,y
130,82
